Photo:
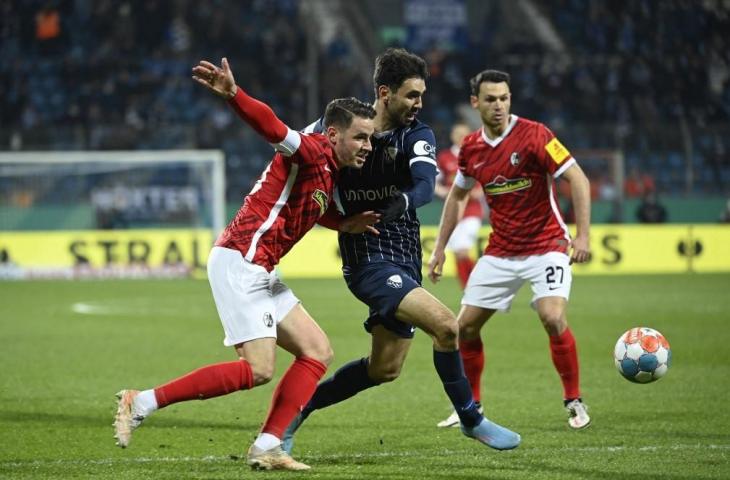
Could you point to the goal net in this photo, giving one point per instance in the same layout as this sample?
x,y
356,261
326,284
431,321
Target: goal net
x,y
122,213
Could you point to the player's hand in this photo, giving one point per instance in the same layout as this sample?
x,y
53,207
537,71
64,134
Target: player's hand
x,y
436,265
395,208
360,223
581,250
218,80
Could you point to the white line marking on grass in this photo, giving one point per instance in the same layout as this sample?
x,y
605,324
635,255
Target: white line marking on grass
x,y
414,454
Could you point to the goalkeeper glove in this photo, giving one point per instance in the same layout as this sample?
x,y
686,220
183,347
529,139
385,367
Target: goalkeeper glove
x,y
395,208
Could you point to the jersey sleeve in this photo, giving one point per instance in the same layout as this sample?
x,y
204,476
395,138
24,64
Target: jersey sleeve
x,y
421,153
550,153
263,119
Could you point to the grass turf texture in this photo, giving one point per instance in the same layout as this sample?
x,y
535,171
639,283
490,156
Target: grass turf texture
x,y
68,346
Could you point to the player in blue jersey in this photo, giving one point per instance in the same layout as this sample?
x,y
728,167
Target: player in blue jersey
x,y
384,270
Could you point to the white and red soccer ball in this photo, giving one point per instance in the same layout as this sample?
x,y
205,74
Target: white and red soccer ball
x,y
642,355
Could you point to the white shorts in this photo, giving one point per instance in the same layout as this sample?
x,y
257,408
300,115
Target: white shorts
x,y
250,301
494,282
465,235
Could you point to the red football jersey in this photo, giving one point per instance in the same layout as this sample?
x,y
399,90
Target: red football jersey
x,y
516,171
448,165
289,197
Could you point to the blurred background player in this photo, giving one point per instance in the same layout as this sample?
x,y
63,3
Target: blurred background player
x,y
467,230
256,309
516,160
384,271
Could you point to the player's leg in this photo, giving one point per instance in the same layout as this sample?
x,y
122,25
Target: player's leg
x,y
551,282
300,335
492,287
471,319
423,310
251,330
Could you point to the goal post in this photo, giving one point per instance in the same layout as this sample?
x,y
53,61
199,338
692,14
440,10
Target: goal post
x,y
106,198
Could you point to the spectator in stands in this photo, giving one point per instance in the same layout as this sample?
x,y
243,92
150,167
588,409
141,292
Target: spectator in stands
x,y
650,210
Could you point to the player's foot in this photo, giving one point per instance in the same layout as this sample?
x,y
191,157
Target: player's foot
x,y
453,419
273,459
287,440
578,414
493,435
127,417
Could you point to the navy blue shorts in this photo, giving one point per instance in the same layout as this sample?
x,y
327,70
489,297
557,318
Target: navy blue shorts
x,y
382,286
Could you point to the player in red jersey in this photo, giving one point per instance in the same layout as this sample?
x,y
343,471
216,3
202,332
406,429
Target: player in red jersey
x,y
515,160
256,309
467,230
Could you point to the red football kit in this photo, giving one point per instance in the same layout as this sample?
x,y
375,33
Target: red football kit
x,y
448,165
288,198
516,171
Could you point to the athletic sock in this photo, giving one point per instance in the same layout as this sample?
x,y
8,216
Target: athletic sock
x,y
292,393
565,358
472,354
347,381
267,441
206,382
145,402
464,267
451,371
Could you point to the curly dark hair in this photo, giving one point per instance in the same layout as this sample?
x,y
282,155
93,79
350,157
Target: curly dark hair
x,y
396,65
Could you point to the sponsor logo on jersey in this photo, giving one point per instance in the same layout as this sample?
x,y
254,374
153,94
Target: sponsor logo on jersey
x,y
370,194
321,198
268,319
514,159
557,151
394,281
501,185
424,149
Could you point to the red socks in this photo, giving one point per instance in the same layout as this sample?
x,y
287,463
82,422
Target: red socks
x,y
565,359
464,267
292,393
472,354
206,382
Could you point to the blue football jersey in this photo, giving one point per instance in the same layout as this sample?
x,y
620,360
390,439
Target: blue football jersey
x,y
403,159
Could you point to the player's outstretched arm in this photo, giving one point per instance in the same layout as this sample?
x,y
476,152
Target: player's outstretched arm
x,y
359,223
220,81
580,190
453,208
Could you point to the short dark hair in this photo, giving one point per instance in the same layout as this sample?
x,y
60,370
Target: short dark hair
x,y
491,76
396,65
341,111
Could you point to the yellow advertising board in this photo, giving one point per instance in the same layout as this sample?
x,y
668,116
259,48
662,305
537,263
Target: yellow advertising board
x,y
617,249
106,248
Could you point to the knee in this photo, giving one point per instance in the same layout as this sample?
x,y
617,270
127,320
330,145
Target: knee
x,y
446,332
554,322
323,354
262,372
384,373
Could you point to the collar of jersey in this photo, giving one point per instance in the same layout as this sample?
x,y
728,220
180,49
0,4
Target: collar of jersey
x,y
512,122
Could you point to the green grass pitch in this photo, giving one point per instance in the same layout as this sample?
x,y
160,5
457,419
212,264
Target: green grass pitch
x,y
67,347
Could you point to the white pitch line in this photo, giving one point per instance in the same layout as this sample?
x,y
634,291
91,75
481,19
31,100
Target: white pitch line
x,y
412,454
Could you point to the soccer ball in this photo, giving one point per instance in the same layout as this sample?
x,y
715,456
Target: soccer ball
x,y
642,355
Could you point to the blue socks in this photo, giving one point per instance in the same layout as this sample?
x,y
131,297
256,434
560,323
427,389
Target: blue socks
x,y
451,371
347,381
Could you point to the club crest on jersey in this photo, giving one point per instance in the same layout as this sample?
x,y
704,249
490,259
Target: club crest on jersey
x,y
268,319
394,281
501,185
321,198
514,159
392,153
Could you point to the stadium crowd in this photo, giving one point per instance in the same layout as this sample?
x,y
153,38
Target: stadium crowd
x,y
651,78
